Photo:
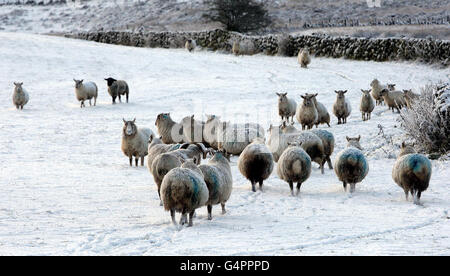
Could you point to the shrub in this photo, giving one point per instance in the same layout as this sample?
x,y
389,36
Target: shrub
x,y
238,15
428,119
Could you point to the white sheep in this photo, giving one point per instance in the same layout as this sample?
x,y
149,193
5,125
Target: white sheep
x,y
367,105
234,139
376,90
170,131
286,107
351,166
393,99
307,114
184,190
85,91
294,165
341,107
192,130
412,172
157,147
189,45
218,179
20,95
410,97
135,141
322,112
256,163
304,58
328,143
116,88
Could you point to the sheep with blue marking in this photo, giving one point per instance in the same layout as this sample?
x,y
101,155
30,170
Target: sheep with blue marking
x,y
256,163
412,172
294,166
157,147
85,91
116,88
20,96
218,179
184,190
351,166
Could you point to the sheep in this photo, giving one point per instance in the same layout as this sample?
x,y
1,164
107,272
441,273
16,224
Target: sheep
x,y
410,97
135,141
328,144
367,105
192,130
294,165
214,131
219,180
184,190
412,172
156,147
376,89
341,107
307,114
165,162
310,142
20,96
289,128
351,166
286,107
85,91
236,48
391,86
256,163
234,139
393,99
322,112
190,45
116,88
303,58
169,131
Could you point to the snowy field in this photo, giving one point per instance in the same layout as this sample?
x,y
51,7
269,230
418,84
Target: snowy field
x,y
66,187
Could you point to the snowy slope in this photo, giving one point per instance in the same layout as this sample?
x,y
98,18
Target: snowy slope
x,y
66,188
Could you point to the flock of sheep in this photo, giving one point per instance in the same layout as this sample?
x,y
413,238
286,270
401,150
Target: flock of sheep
x,y
184,184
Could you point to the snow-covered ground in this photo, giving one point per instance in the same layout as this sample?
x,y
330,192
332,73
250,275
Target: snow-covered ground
x,y
66,187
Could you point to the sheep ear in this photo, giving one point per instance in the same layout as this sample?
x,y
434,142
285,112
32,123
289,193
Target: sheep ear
x,y
335,91
315,95
124,120
359,138
278,94
403,145
134,120
348,138
302,96
284,94
15,83
345,91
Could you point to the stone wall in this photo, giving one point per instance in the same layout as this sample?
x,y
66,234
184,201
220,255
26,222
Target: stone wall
x,y
380,49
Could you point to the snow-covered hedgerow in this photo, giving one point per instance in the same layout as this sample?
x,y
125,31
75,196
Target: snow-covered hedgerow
x,y
428,119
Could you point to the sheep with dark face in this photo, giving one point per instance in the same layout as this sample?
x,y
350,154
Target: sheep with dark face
x,y
256,163
294,165
322,112
170,131
367,105
190,45
116,88
135,141
341,107
85,91
412,172
20,95
184,190
218,179
307,114
286,107
304,59
351,166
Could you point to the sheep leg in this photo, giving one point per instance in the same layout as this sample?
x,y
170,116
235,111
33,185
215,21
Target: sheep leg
x,y
114,99
224,211
131,160
17,107
260,185
322,166
127,97
90,104
136,160
183,218
416,196
191,216
172,214
209,207
253,186
142,161
352,187
120,100
21,107
299,185
329,163
291,185
406,194
95,101
345,186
